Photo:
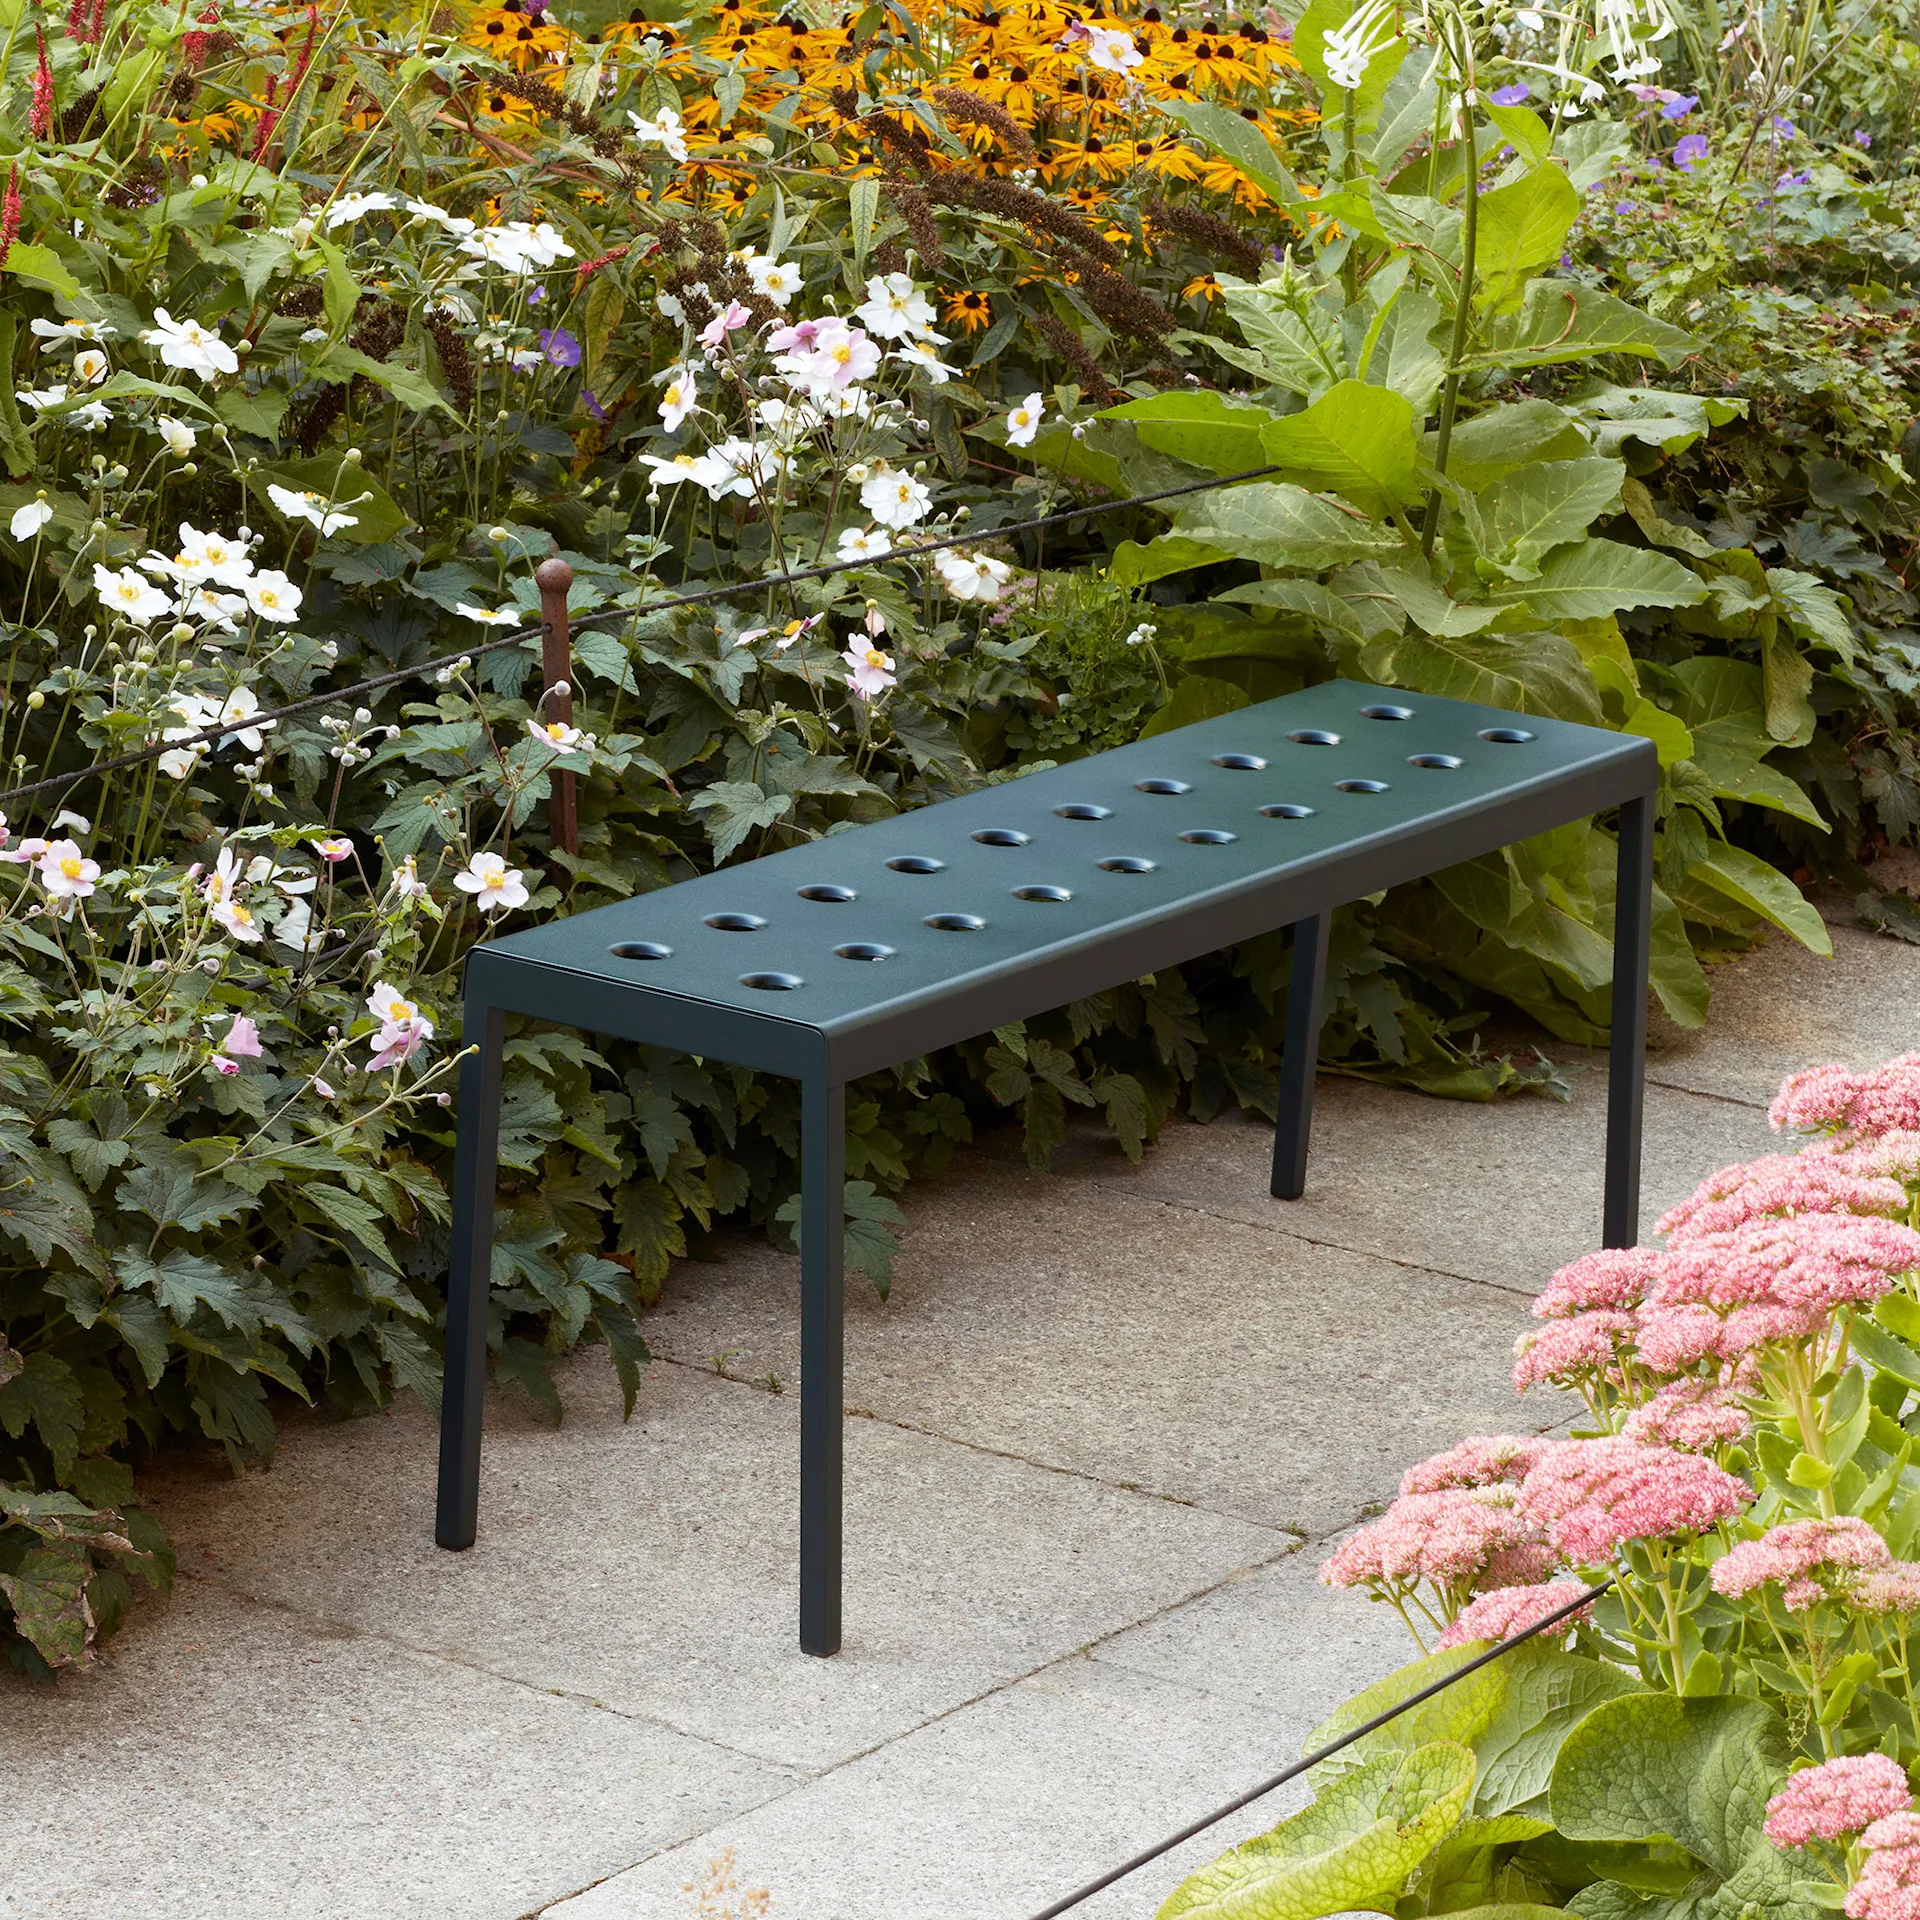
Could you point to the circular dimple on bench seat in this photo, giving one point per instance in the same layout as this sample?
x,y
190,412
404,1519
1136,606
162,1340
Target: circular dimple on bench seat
x,y
640,950
1447,761
1360,786
1084,810
1208,837
1042,893
916,863
954,922
1002,837
864,950
735,922
827,890
1159,784
1286,810
1127,863
1386,713
1506,736
1314,737
772,982
1240,762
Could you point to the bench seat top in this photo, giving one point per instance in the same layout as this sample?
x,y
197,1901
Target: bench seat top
x,y
886,940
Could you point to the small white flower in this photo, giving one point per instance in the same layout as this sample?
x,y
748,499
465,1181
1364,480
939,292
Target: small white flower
x,y
56,334
273,596
352,206
314,337
452,222
921,354
663,131
774,280
190,346
65,872
499,617
494,885
869,670
89,366
28,520
180,436
129,594
895,499
863,543
678,398
1111,50
237,919
972,576
895,308
313,507
561,737
41,401
1024,421
212,555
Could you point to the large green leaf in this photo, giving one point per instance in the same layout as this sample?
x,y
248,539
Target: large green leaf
x,y
48,1595
1458,1713
1762,888
1653,416
1237,140
1354,1847
1561,320
1698,1772
1548,1694
1505,437
1596,578
1405,354
1135,565
1722,703
1524,672
1281,525
1411,591
1299,342
1521,228
1523,517
351,489
1210,430
1355,440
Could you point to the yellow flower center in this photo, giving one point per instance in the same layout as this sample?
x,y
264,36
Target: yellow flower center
x,y
241,917
70,867
843,352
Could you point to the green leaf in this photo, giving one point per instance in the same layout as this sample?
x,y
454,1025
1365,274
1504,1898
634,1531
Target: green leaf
x,y
1355,440
1654,416
1523,130
1521,518
1521,228
1354,1847
350,488
350,1213
1722,703
48,1595
1300,345
1763,889
870,1244
1548,1694
16,444
1813,610
1237,140
410,387
1210,430
42,267
256,413
46,1394
732,809
1595,578
1523,672
1461,1712
863,203
1281,525
1494,443
1561,320
181,1281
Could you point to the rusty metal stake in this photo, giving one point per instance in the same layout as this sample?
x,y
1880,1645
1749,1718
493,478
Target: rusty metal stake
x,y
553,578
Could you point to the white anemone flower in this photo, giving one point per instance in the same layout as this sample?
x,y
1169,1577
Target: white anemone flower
x,y
972,576
313,507
495,886
491,617
895,499
89,366
354,206
921,354
273,596
864,543
28,520
130,594
1025,421
1111,50
663,131
774,280
678,398
895,308
181,436
190,346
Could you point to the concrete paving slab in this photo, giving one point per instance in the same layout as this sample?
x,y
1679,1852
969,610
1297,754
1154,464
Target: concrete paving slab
x,y
1780,1009
1093,1330
228,1761
996,1811
1502,1193
653,1568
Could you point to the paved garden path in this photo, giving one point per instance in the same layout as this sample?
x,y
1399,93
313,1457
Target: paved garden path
x,y
1098,1440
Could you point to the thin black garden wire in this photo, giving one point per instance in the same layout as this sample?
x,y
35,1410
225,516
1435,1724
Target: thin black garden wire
x,y
339,695
1299,1767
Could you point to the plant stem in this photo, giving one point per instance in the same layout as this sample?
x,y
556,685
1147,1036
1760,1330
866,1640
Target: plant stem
x,y
1462,321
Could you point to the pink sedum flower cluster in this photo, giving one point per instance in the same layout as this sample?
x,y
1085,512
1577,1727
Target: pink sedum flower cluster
x,y
1836,1800
1856,1106
1452,1538
1510,1611
1592,1496
1777,1186
1697,1416
1889,1884
1809,1561
1478,1461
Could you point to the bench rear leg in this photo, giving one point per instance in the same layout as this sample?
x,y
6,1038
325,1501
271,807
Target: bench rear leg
x,y
1306,995
470,1261
823,1159
1627,1047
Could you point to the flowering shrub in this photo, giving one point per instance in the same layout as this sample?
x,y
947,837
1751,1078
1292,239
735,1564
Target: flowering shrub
x,y
1746,1480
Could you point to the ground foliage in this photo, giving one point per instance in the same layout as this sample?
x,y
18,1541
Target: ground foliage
x,y
325,327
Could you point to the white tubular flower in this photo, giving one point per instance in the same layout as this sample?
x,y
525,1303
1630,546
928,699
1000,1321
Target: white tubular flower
x,y
190,346
1349,50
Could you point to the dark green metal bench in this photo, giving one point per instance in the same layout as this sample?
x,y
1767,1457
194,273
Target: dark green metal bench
x,y
866,948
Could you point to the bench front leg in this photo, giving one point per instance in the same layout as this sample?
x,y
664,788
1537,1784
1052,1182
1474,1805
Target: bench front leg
x,y
470,1262
1306,998
823,1161
1627,1044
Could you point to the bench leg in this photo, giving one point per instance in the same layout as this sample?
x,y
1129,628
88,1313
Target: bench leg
x,y
823,1160
1306,996
1627,1049
475,1171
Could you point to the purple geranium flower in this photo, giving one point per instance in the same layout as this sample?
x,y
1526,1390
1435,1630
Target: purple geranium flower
x,y
1511,96
560,347
1690,151
1623,207
592,404
1679,107
1795,179
1781,124
1863,140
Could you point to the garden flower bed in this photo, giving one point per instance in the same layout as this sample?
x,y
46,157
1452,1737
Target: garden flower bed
x,y
326,328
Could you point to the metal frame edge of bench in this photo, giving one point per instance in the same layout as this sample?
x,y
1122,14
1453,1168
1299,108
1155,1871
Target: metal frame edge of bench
x,y
824,1057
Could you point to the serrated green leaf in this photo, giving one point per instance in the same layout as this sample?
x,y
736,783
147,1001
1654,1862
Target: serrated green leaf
x,y
1522,517
48,1595
1594,578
